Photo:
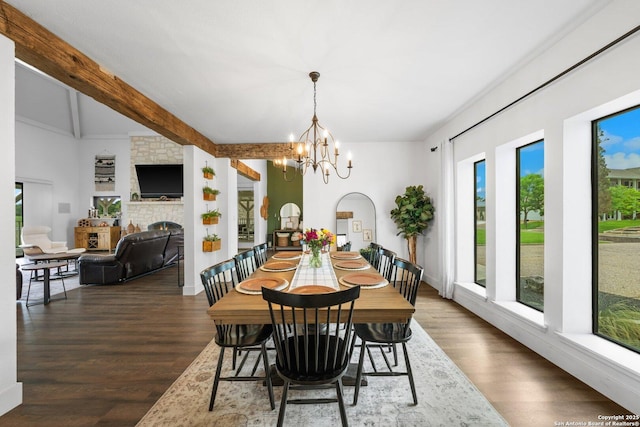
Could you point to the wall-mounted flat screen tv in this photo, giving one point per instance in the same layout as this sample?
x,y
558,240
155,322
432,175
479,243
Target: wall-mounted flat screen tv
x,y
160,180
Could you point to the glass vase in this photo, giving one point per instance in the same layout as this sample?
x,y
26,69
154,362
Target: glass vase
x,y
315,260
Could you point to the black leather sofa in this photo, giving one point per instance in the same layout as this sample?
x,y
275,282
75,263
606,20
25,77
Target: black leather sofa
x,y
136,254
18,282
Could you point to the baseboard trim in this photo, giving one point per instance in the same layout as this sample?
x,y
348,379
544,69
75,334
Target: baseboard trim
x,y
10,397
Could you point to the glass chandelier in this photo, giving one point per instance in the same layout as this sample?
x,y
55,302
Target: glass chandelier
x,y
316,147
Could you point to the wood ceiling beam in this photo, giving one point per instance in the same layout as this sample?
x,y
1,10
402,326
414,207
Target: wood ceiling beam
x,y
44,50
244,170
265,151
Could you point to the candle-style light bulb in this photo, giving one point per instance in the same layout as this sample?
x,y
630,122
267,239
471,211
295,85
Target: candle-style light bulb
x,y
336,146
349,158
291,140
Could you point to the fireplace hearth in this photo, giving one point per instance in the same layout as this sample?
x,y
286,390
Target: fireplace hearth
x,y
144,213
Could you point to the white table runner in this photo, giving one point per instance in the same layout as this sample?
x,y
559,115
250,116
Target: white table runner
x,y
324,276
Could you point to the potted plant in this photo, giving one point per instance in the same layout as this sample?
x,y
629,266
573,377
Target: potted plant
x,y
211,242
210,217
412,215
209,193
366,253
208,172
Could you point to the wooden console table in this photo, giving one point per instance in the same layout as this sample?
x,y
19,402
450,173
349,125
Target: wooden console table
x,y
289,246
97,238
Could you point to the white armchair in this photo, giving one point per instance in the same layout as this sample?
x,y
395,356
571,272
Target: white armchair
x,y
36,238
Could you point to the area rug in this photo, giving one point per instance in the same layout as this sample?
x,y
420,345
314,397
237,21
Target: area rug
x,y
446,397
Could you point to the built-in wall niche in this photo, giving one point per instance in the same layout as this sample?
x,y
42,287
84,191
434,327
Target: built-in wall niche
x,y
355,221
107,206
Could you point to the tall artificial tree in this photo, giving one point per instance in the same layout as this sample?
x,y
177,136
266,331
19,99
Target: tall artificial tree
x,y
412,215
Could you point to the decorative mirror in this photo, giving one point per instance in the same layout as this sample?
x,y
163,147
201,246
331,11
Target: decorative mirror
x,y
289,216
355,221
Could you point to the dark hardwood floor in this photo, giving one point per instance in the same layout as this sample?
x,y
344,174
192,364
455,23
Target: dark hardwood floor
x,y
107,353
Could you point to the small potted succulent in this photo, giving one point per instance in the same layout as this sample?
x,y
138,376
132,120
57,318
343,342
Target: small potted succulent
x,y
211,242
208,172
210,217
209,193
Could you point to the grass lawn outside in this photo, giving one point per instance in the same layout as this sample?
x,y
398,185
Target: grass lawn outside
x,y
531,234
614,225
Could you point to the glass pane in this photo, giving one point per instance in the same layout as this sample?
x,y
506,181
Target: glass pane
x,y
19,222
480,276
530,224
617,263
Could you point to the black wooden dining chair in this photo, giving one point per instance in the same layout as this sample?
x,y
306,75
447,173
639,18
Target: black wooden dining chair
x,y
406,279
312,335
218,280
385,259
374,254
260,254
346,247
245,264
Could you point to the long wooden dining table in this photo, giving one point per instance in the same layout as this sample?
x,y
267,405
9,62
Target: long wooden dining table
x,y
379,305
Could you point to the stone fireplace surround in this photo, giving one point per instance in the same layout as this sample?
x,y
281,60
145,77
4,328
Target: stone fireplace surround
x,y
144,213
152,150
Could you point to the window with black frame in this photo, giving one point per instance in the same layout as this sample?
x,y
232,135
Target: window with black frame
x,y
616,227
530,225
480,273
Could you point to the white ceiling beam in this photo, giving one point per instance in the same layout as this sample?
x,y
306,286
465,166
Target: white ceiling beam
x,y
75,113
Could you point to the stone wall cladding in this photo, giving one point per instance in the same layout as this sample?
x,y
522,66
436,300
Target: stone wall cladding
x,y
144,213
153,150
148,150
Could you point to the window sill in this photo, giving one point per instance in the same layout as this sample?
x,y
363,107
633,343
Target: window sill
x,y
472,289
523,313
615,356
513,310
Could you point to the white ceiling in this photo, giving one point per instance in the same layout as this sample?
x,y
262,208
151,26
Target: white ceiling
x,y
237,70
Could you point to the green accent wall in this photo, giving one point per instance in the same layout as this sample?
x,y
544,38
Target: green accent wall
x,y
280,192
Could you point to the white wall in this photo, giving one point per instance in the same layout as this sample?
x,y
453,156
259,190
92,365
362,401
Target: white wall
x,y
63,166
225,180
88,149
45,157
561,114
10,388
380,171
